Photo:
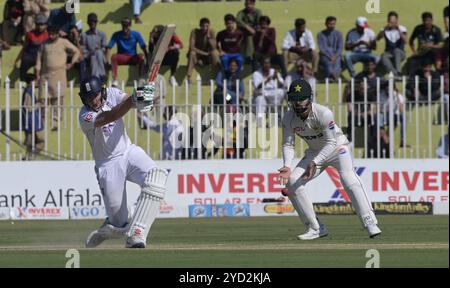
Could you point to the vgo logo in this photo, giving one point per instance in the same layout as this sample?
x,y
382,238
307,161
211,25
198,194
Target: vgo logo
x,y
87,212
73,6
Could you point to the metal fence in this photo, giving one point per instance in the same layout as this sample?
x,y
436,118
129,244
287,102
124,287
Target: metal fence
x,y
208,130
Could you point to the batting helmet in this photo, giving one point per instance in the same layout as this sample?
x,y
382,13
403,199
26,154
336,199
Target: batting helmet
x,y
90,87
299,91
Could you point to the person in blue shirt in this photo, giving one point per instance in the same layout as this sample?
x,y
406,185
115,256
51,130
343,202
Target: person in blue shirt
x,y
231,75
126,41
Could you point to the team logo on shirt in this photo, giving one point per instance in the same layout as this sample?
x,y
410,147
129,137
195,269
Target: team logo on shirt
x,y
299,129
88,117
331,125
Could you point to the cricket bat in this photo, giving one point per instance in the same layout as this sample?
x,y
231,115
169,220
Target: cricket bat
x,y
160,51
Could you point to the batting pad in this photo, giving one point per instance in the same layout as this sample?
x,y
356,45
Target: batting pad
x,y
153,191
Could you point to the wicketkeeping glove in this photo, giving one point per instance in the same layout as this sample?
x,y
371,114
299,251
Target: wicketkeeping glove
x,y
143,97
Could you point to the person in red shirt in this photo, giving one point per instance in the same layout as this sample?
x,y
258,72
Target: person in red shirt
x,y
33,41
173,53
229,43
265,46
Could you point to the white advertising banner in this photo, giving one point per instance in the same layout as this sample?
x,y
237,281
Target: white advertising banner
x,y
73,183
40,213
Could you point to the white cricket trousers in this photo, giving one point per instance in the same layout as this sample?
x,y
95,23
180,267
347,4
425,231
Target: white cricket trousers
x,y
342,160
112,175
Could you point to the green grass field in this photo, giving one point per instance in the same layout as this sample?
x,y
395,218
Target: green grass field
x,y
407,241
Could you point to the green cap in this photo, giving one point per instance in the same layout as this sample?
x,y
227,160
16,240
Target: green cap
x,y
300,90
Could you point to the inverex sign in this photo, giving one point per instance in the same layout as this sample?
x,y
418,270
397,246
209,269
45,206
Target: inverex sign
x,y
73,183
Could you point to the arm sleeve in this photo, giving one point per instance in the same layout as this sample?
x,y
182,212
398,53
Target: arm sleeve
x,y
288,141
257,79
340,44
323,48
240,19
312,44
328,128
413,35
140,40
113,41
288,41
87,120
104,42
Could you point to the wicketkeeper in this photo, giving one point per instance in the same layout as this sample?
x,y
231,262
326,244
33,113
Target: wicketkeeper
x,y
327,146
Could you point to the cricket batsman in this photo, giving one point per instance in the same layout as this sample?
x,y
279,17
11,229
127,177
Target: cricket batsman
x,y
327,146
117,160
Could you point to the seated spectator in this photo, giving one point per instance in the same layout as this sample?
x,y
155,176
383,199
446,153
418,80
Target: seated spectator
x,y
442,148
429,45
229,43
231,75
12,28
265,46
202,47
248,21
299,44
424,74
172,130
360,43
32,121
173,52
394,35
126,41
33,42
302,71
269,90
67,23
330,44
32,8
137,8
52,66
93,43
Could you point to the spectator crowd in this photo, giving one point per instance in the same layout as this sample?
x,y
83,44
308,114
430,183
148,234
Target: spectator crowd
x,y
54,43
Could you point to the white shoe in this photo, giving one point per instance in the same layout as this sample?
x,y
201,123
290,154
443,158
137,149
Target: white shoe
x,y
135,242
373,231
312,234
173,81
106,231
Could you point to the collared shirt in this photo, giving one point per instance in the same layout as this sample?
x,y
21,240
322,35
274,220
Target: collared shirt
x,y
93,41
330,43
127,45
292,39
64,21
353,36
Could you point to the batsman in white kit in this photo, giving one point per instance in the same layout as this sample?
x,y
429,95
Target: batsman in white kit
x,y
327,146
117,160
